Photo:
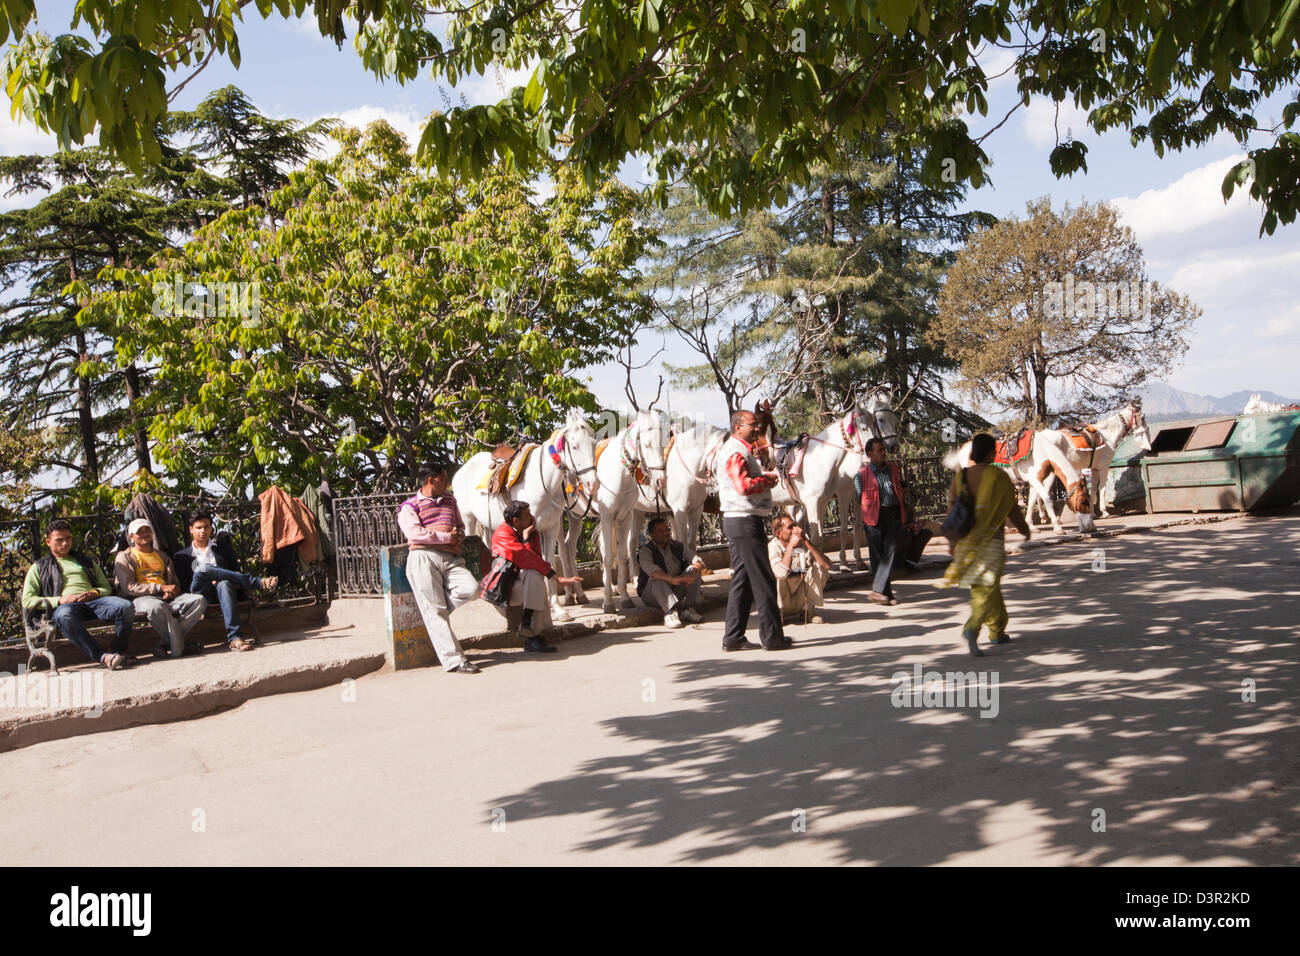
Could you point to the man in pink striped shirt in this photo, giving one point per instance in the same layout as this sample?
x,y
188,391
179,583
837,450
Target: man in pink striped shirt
x,y
439,579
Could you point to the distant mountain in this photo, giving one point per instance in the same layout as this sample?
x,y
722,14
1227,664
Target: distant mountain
x,y
1161,402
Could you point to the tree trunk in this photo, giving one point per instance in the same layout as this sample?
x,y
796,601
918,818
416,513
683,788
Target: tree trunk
x,y
142,459
1040,386
85,413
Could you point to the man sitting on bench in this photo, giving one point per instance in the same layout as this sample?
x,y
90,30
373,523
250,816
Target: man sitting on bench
x,y
211,568
148,577
78,591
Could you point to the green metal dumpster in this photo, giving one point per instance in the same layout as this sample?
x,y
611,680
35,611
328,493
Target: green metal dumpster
x,y
1241,463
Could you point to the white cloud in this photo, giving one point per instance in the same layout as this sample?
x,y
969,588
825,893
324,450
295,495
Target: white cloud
x,y
1044,122
17,139
1281,326
996,62
408,124
1192,201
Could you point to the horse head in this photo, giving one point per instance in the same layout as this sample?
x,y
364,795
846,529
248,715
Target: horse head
x,y
578,454
648,436
766,431
874,417
1136,423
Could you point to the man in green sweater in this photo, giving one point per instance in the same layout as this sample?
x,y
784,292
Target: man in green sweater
x,y
76,590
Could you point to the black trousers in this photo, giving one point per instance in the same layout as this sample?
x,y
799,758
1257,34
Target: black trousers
x,y
882,544
752,583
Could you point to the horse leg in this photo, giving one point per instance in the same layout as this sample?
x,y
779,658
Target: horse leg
x,y
627,539
550,542
608,557
848,495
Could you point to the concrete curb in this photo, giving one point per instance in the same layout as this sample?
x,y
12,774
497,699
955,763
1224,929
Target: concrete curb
x,y
181,702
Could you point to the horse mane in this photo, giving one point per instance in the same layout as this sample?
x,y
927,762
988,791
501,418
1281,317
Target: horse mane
x,y
577,419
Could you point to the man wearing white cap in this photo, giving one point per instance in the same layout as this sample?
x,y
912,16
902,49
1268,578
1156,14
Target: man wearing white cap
x,y
147,577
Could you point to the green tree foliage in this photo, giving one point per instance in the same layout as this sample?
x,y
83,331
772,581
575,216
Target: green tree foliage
x,y
674,78
251,153
398,315
60,375
1060,299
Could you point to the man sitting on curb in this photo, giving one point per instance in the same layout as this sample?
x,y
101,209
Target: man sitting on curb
x,y
801,570
668,576
517,541
77,591
211,568
147,576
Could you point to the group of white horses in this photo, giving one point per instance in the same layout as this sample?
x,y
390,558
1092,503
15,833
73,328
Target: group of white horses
x,y
1054,455
647,468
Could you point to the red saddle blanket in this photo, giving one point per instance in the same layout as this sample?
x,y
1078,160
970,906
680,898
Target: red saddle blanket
x,y
1018,449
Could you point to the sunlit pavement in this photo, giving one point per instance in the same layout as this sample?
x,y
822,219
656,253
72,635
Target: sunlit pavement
x,y
1145,713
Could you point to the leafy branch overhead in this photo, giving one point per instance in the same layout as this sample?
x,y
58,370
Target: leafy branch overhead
x,y
674,78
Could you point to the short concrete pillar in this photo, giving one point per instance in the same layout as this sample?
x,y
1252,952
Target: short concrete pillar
x,y
407,642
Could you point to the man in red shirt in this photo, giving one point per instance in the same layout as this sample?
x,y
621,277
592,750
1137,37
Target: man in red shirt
x,y
517,541
745,496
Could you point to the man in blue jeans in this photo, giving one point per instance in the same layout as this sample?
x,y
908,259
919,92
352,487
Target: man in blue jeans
x,y
76,590
211,568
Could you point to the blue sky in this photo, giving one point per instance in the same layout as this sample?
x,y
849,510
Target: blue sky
x,y
1194,242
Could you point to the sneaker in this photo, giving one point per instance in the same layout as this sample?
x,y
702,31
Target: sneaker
x,y
690,615
672,620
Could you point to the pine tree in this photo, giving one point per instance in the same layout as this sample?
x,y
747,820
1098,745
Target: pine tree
x,y
813,302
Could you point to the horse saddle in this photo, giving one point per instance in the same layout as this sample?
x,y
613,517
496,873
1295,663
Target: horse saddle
x,y
789,457
1083,437
507,465
1015,449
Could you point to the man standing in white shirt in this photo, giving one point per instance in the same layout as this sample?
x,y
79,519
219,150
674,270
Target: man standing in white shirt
x,y
745,494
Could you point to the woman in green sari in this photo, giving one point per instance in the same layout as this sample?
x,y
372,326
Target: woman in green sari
x,y
979,557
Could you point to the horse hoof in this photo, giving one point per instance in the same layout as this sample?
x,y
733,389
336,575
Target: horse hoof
x,y
559,615
567,600
609,607
627,602
581,598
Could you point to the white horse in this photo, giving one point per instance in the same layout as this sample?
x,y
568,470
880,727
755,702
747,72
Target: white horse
x,y
631,463
559,477
691,462
1055,456
1025,470
834,455
1055,447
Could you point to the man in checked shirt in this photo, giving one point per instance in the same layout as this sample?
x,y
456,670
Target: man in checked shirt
x,y
439,579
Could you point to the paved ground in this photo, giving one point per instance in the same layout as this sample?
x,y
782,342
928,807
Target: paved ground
x,y
1122,693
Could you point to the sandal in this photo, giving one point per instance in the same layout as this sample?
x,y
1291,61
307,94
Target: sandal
x,y
239,644
112,661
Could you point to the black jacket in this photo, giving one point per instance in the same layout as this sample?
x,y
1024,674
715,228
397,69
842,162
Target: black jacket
x,y
221,548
